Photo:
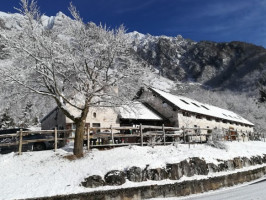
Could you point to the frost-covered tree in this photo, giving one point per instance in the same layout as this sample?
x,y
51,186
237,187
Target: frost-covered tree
x,y
6,121
262,88
78,65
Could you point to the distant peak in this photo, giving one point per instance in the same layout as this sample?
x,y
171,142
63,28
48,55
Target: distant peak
x,y
60,14
3,14
136,34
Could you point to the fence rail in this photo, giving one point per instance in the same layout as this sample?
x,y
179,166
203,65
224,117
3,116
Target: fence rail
x,y
101,137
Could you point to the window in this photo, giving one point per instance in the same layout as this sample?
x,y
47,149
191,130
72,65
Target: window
x,y
209,118
205,107
96,125
186,114
94,114
217,120
225,115
184,101
164,104
199,116
194,104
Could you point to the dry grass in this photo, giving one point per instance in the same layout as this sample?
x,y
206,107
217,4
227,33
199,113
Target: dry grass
x,y
71,157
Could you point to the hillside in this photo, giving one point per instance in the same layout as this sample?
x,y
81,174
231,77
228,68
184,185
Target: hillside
x,y
235,65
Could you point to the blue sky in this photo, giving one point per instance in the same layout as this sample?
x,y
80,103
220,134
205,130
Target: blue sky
x,y
215,20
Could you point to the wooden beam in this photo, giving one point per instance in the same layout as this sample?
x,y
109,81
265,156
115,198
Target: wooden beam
x,y
8,135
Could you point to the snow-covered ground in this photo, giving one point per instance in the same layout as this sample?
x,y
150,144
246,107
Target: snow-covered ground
x,y
47,173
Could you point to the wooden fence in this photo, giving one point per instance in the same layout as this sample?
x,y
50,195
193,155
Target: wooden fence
x,y
104,137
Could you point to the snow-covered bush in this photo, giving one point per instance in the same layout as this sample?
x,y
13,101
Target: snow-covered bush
x,y
217,139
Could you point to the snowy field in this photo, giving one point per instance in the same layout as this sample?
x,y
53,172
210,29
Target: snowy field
x,y
47,173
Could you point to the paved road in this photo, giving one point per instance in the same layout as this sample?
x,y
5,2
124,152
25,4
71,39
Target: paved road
x,y
253,191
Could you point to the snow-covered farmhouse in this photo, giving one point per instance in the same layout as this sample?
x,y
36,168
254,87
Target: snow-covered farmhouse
x,y
185,112
137,113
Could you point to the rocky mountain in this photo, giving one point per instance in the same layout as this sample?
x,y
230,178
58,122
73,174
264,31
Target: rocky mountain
x,y
236,66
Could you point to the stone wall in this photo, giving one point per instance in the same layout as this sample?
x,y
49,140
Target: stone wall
x,y
173,171
176,117
167,190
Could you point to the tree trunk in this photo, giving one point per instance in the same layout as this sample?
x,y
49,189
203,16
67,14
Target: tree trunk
x,y
78,144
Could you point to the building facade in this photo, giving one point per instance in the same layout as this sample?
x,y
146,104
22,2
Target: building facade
x,y
130,115
188,113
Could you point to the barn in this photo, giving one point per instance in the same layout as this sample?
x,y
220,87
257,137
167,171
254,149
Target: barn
x,y
128,115
185,112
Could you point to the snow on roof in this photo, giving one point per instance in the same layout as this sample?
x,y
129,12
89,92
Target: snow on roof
x,y
187,104
138,111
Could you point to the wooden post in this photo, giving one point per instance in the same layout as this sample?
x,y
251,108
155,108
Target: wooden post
x,y
88,138
200,134
65,137
20,142
183,134
164,142
112,134
55,139
141,135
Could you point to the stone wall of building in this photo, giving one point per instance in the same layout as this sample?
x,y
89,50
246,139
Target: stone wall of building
x,y
193,121
101,117
178,119
160,106
104,117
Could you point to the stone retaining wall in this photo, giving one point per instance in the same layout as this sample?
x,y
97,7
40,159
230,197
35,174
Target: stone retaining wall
x,y
174,171
167,190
